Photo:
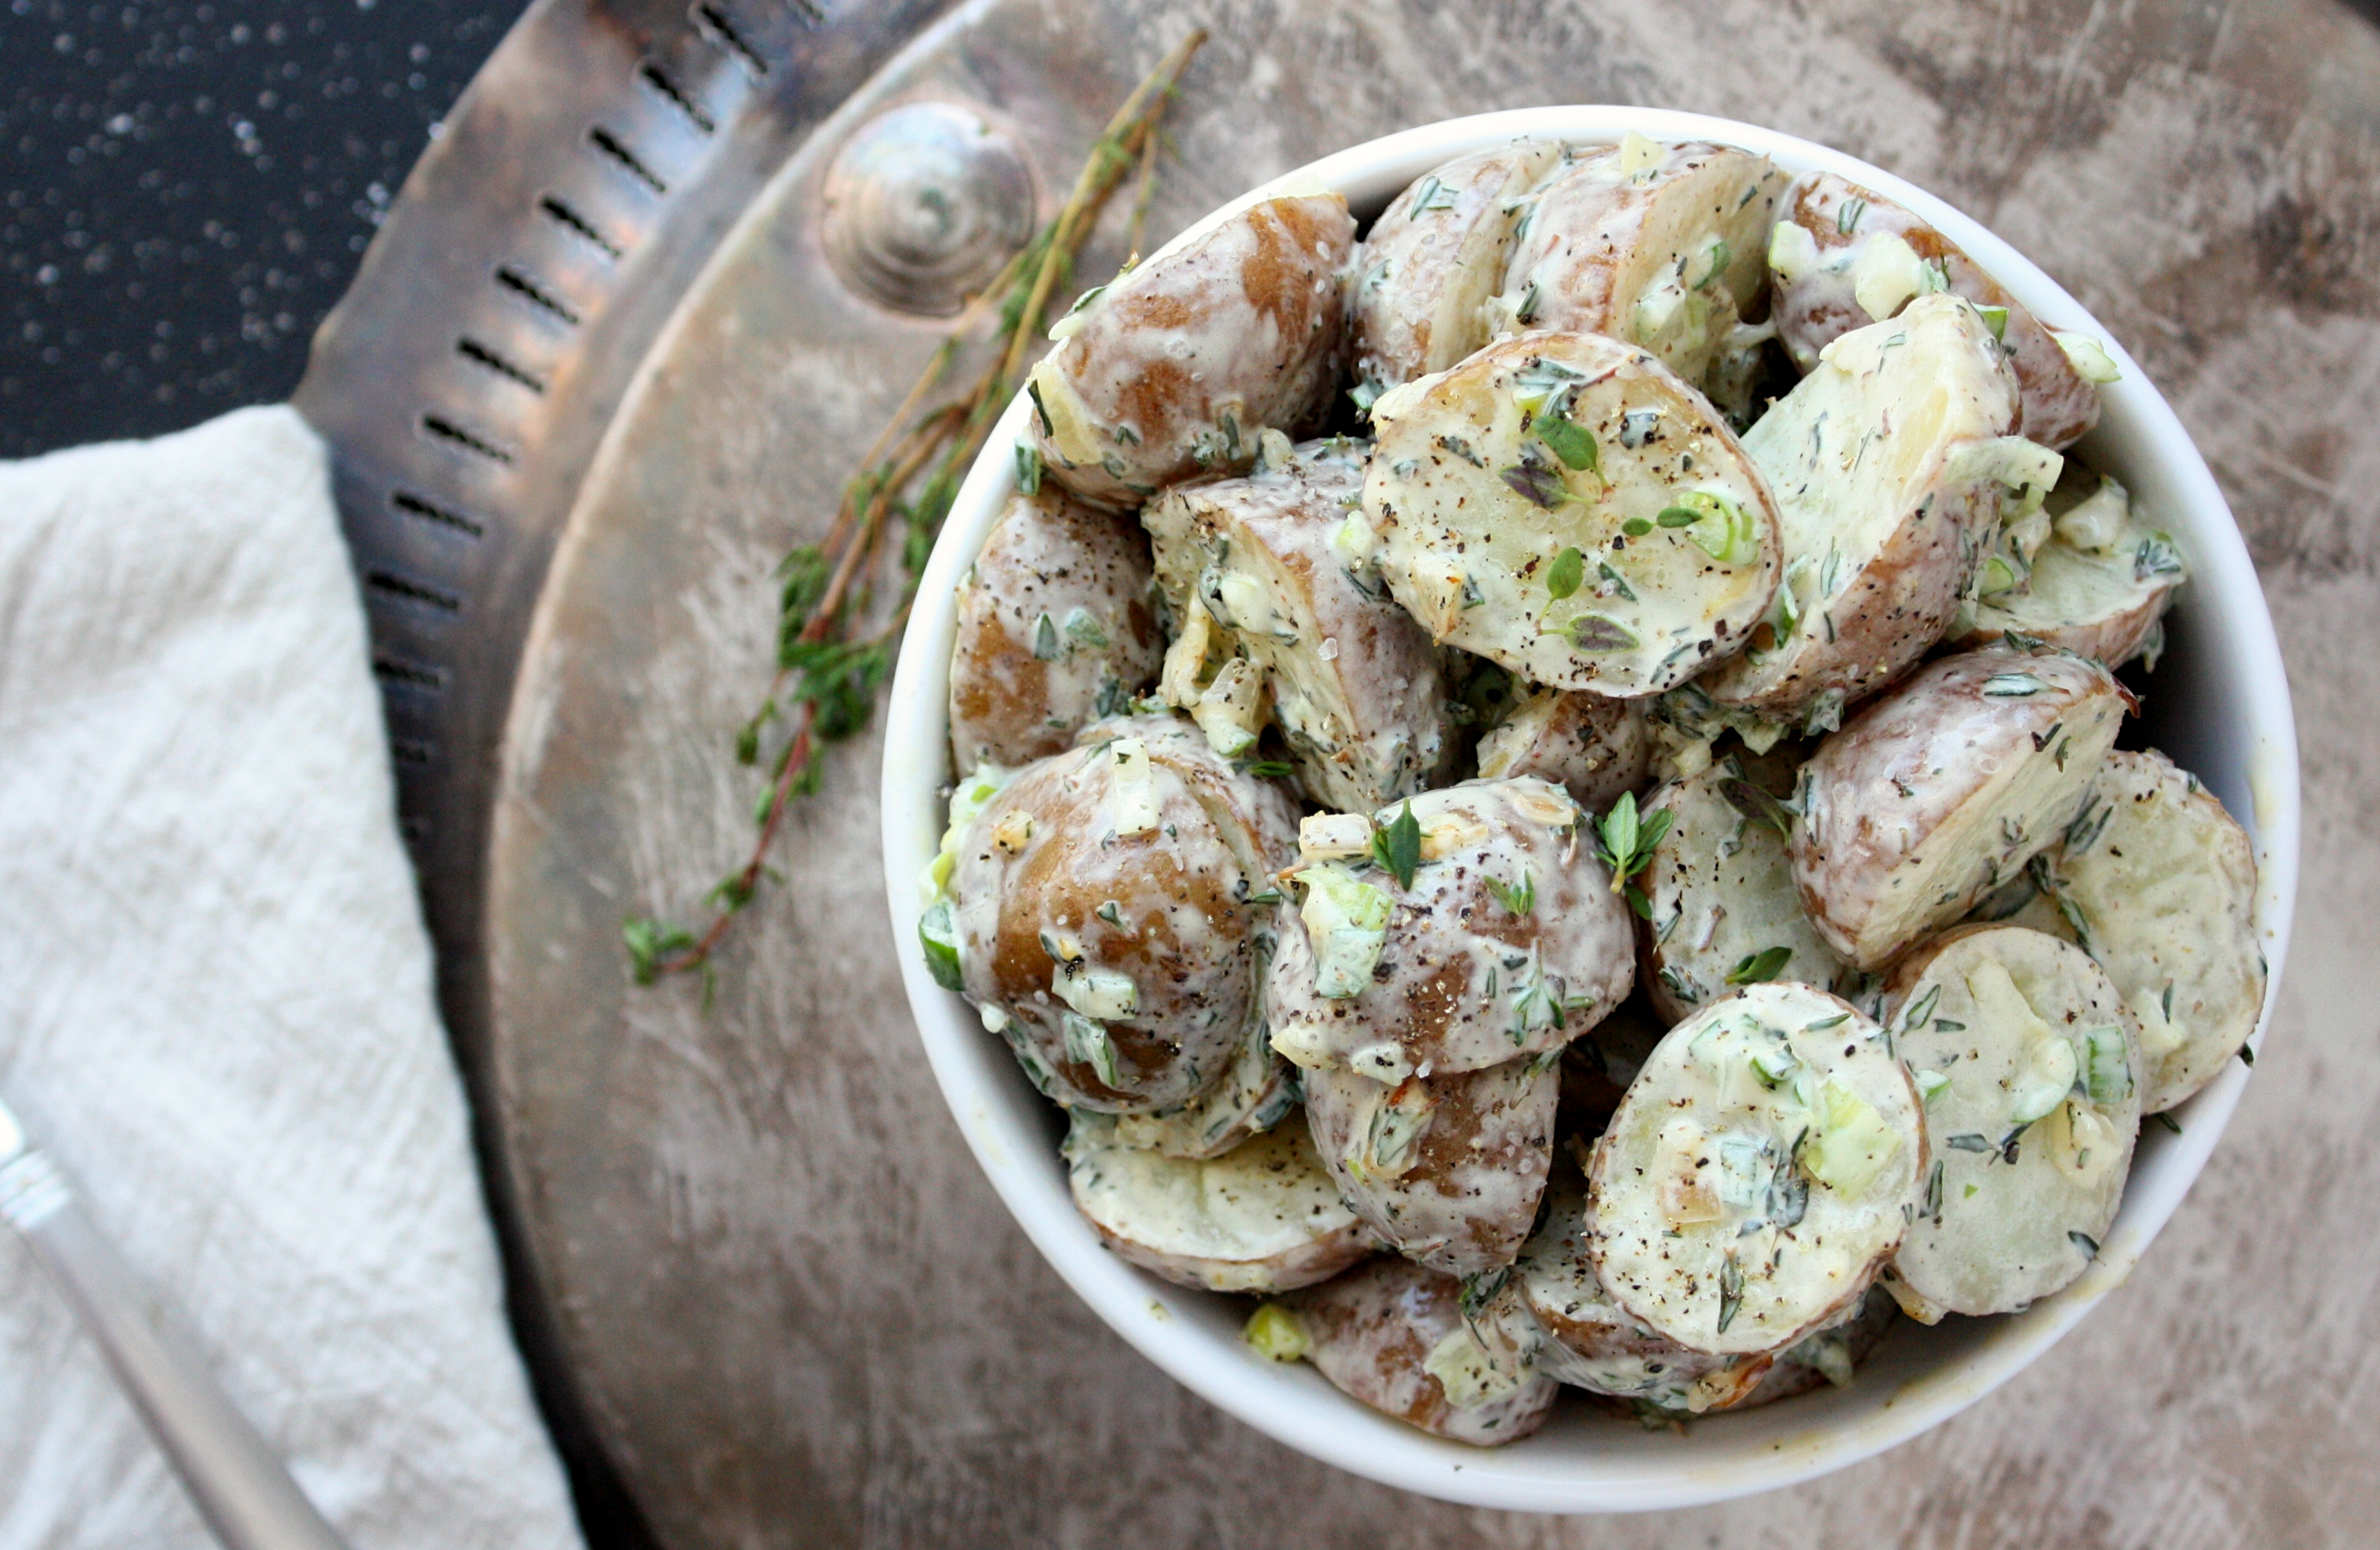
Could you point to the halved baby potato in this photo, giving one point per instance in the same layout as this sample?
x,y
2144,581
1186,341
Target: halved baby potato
x,y
2158,884
2029,1075
1889,462
1942,790
1174,368
1759,1173
1420,282
1657,245
1057,628
2097,581
1724,908
1508,942
1593,747
1263,1216
1108,906
1844,257
1446,1169
1254,570
1551,1311
1390,1335
1564,505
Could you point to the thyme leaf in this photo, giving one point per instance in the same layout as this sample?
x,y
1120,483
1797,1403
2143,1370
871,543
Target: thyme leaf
x,y
1752,802
650,942
1562,577
1396,846
1594,632
1625,840
1517,899
1537,484
1756,967
1572,442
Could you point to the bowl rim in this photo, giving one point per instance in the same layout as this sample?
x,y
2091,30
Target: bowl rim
x,y
1192,1335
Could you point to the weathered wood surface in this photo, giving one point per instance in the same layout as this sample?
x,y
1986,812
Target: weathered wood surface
x,y
803,1315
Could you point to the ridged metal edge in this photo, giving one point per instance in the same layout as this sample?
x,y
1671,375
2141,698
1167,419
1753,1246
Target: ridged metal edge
x,y
462,383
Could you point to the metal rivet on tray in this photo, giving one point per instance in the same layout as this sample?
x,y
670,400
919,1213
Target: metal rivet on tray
x,y
924,204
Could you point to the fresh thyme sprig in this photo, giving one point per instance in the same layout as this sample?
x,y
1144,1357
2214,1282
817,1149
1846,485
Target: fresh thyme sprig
x,y
830,666
1624,842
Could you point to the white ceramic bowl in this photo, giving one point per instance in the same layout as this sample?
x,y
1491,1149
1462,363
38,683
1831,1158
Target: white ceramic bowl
x,y
2218,704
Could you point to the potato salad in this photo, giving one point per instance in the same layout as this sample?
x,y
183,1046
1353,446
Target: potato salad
x,y
1536,771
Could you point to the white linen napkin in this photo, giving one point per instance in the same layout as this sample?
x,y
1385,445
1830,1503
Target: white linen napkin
x,y
215,1014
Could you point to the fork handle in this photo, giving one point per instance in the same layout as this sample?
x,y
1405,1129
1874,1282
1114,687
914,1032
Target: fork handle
x,y
238,1483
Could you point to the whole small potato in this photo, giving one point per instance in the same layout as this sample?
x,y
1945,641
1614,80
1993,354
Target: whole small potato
x,y
1943,788
1422,279
1446,1169
1174,368
1844,257
1391,1336
1351,680
1109,914
1056,629
1593,747
1657,245
1508,940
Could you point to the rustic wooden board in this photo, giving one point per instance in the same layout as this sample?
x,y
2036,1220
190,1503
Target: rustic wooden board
x,y
801,1313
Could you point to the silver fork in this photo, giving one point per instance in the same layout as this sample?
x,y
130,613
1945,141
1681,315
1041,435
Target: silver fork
x,y
239,1485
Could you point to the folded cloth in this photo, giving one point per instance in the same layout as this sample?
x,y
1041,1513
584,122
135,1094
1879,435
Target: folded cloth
x,y
215,1014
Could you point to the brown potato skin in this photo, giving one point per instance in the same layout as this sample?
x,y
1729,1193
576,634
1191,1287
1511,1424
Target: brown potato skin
x,y
1189,942
2059,405
1371,1331
1255,310
1048,554
1895,610
1785,1378
1466,1203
